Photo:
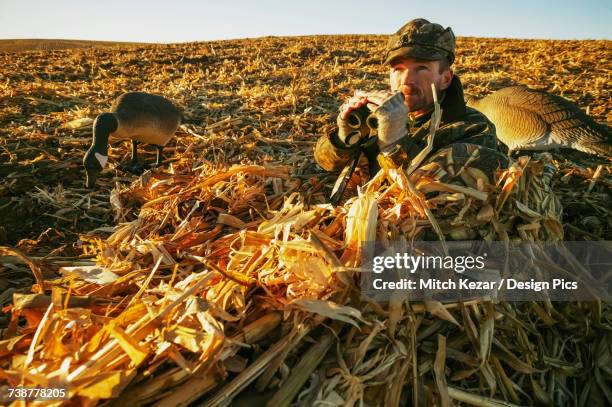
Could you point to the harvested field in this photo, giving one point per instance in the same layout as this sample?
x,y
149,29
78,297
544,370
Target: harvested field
x,y
33,44
219,271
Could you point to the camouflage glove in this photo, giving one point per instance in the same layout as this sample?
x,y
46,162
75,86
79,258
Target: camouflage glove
x,y
392,116
349,134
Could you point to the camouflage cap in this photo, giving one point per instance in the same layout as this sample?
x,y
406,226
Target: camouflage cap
x,y
422,40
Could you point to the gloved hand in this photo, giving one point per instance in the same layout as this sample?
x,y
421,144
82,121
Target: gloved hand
x,y
392,116
349,133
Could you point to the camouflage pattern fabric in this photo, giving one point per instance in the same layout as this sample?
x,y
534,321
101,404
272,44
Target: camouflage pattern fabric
x,y
421,39
473,129
330,155
463,163
460,124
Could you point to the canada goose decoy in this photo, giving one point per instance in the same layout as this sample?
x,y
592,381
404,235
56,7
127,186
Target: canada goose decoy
x,y
529,119
137,116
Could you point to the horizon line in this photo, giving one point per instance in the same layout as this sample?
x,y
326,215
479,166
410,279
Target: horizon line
x,y
285,36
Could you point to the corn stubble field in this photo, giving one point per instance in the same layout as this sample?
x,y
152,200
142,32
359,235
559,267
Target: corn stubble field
x,y
220,277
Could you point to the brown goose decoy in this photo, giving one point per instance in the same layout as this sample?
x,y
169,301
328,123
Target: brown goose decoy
x,y
137,116
529,119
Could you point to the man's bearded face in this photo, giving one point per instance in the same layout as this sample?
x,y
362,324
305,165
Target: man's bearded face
x,y
413,77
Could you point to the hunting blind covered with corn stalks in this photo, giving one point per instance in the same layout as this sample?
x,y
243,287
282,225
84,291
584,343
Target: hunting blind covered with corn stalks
x,y
224,277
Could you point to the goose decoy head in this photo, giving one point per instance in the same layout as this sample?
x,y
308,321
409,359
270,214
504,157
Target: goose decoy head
x,y
96,157
94,163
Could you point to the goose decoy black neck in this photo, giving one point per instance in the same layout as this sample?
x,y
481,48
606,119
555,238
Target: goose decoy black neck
x,y
96,157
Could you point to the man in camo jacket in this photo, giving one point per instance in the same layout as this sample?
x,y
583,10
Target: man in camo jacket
x,y
418,54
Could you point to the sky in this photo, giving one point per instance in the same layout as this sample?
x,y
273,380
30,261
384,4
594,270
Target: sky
x,y
204,20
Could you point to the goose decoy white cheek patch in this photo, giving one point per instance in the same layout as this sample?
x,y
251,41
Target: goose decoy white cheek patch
x,y
102,159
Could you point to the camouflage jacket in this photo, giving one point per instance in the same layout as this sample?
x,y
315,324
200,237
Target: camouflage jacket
x,y
459,124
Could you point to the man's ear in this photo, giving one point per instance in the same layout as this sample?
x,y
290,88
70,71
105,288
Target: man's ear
x,y
447,78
